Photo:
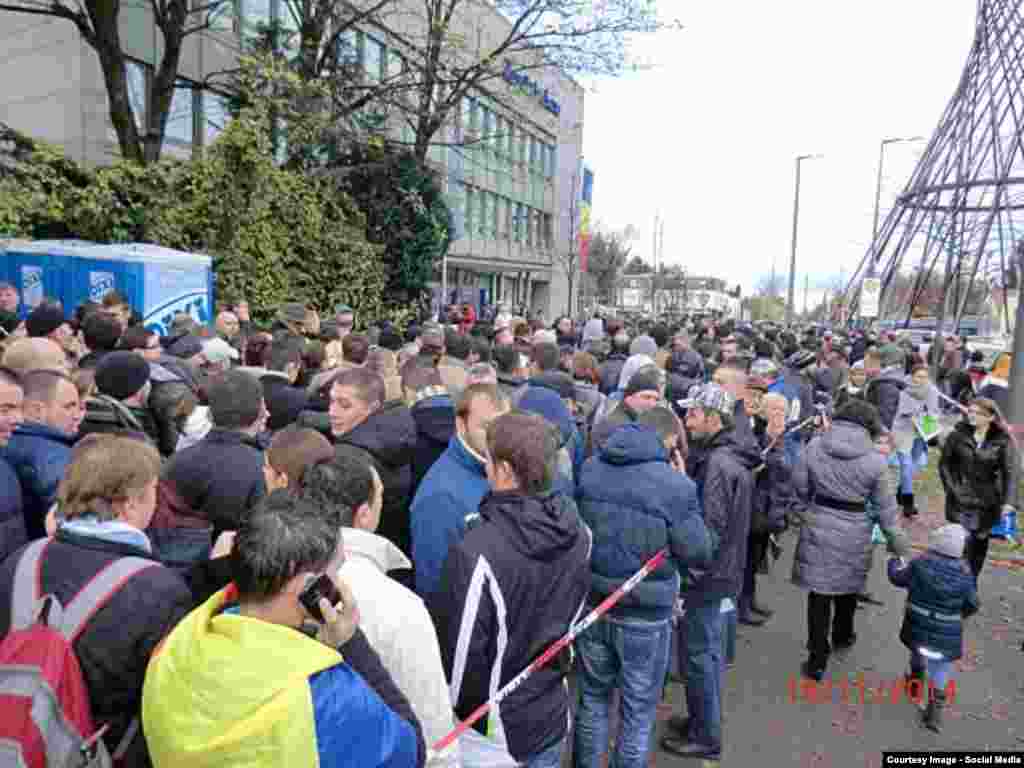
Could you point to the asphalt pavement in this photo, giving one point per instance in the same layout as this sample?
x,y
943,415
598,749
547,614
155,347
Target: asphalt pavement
x,y
770,720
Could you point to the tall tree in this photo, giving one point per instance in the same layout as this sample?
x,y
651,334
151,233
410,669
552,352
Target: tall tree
x,y
99,23
457,51
608,253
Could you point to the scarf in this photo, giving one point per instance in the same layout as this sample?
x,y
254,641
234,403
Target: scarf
x,y
112,530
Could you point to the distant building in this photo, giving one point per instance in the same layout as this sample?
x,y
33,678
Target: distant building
x,y
676,294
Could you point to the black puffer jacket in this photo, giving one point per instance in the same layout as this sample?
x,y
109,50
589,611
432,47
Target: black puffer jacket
x,y
114,648
521,575
105,415
389,437
723,468
976,478
220,477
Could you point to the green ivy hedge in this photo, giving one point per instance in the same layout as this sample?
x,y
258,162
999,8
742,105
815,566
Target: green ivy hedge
x,y
274,235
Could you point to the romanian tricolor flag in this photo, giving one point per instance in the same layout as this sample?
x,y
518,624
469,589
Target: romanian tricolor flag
x,y
586,200
226,690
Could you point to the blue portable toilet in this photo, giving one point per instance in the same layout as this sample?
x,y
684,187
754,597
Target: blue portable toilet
x,y
158,282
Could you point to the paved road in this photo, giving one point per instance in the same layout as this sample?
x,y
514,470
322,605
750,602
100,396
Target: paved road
x,y
764,727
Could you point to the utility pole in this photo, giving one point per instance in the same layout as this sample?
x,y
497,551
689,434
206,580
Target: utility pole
x,y
790,307
807,287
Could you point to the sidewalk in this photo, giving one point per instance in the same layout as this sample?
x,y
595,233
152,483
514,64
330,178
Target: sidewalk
x,y
767,725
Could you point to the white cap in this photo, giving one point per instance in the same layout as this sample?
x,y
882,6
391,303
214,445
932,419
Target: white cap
x,y
218,351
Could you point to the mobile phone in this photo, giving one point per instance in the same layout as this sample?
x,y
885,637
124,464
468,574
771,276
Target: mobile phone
x,y
322,586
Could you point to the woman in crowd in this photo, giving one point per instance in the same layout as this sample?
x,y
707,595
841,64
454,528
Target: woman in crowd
x,y
838,476
919,399
977,475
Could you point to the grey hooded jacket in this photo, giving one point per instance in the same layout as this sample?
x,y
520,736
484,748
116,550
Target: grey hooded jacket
x,y
833,556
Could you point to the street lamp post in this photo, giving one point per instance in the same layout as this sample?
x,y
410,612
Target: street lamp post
x,y
790,310
878,192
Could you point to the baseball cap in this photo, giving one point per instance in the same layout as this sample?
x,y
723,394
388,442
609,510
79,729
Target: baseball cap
x,y
710,397
218,352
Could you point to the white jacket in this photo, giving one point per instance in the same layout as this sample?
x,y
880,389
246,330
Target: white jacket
x,y
395,621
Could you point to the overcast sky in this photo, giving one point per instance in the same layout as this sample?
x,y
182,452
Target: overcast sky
x,y
710,136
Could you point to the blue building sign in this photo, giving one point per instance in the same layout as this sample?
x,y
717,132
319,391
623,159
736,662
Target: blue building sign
x,y
532,88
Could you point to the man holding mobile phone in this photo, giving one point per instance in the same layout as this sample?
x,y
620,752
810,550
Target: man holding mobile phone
x,y
237,681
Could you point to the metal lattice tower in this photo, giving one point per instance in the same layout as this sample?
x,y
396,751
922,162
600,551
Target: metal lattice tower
x,y
964,203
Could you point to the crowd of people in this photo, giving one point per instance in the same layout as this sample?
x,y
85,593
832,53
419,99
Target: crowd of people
x,y
329,540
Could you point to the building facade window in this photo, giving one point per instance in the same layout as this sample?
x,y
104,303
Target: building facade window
x,y
482,223
528,225
138,91
470,211
373,58
518,225
181,126
348,47
502,217
215,115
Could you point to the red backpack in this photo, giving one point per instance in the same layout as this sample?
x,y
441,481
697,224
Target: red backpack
x,y
47,721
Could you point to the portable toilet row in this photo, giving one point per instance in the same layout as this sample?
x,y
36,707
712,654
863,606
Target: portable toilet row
x,y
158,282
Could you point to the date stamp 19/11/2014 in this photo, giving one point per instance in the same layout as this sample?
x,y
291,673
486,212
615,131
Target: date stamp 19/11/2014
x,y
860,691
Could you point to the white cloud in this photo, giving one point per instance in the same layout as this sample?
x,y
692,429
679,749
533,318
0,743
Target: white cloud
x,y
710,136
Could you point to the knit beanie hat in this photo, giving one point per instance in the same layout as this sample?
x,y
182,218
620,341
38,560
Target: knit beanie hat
x,y
643,345
44,320
631,366
647,379
121,374
948,540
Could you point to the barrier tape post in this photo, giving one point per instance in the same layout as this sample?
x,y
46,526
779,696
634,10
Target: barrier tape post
x,y
649,567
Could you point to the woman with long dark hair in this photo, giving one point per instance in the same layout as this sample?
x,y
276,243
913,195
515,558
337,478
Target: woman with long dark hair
x,y
977,474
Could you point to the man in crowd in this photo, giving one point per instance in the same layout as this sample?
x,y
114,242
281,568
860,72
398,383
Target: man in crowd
x,y
40,448
643,392
9,299
394,619
529,553
221,477
211,697
120,405
12,521
612,367
284,400
24,355
723,471
100,334
635,496
506,358
386,432
453,487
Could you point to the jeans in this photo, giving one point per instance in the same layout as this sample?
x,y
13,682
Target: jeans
x,y
910,464
548,758
633,657
704,639
729,616
819,619
937,666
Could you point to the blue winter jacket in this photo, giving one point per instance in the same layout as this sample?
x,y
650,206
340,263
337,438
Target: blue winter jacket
x,y
941,594
12,524
635,504
450,492
38,454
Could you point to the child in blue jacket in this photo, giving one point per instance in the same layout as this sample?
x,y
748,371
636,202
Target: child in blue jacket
x,y
941,594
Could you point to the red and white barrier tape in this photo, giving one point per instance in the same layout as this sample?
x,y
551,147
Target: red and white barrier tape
x,y
648,568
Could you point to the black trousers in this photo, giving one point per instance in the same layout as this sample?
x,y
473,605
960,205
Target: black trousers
x,y
820,619
756,544
976,551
